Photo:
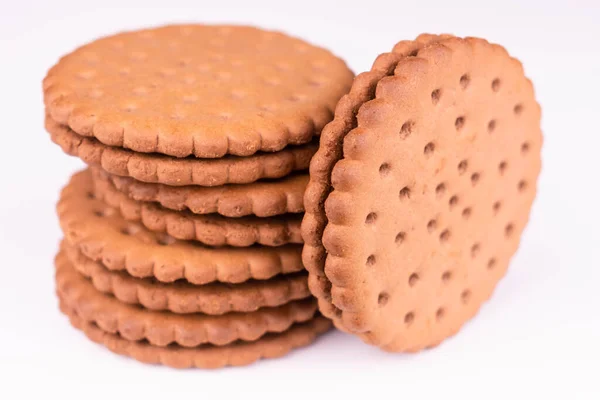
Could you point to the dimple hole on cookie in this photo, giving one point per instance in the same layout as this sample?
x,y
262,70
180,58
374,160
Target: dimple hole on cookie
x,y
440,189
435,96
431,225
496,84
413,279
475,177
130,229
409,318
462,166
464,81
525,148
459,123
404,193
91,195
164,239
453,202
497,205
466,213
491,126
502,167
446,276
384,169
129,108
445,236
429,149
508,230
491,263
465,296
407,129
400,237
518,109
105,212
371,218
475,250
439,314
383,299
522,186
371,260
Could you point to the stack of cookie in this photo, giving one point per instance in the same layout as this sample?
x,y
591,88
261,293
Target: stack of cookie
x,y
182,239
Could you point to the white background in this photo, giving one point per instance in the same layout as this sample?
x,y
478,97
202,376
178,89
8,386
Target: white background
x,y
539,334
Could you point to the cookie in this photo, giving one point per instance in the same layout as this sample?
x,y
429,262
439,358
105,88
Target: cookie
x,y
262,199
271,345
421,199
198,90
184,298
157,168
161,328
103,235
211,229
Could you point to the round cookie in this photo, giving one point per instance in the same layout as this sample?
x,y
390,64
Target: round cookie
x,y
262,199
161,328
182,297
103,235
211,229
271,345
198,90
157,168
422,198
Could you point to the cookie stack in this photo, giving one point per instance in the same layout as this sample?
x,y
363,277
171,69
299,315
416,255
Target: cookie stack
x,y
182,238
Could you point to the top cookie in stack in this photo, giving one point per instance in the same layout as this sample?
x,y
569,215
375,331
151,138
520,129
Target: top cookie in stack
x,y
194,104
199,139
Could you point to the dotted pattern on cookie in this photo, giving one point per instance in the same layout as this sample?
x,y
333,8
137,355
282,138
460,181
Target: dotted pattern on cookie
x,y
100,233
271,345
457,192
197,90
163,328
157,168
262,199
211,229
330,150
184,298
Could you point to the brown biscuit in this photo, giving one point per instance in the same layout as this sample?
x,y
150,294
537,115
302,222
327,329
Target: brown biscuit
x,y
158,168
103,235
182,297
211,229
271,345
422,198
162,328
197,90
263,198
330,151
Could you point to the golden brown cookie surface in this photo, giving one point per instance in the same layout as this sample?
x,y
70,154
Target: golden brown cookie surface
x,y
211,229
427,201
182,297
197,90
158,168
100,232
161,328
206,356
266,198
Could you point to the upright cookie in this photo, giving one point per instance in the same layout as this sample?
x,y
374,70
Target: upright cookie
x,y
424,207
158,168
197,90
262,199
182,297
211,229
162,328
103,235
207,356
